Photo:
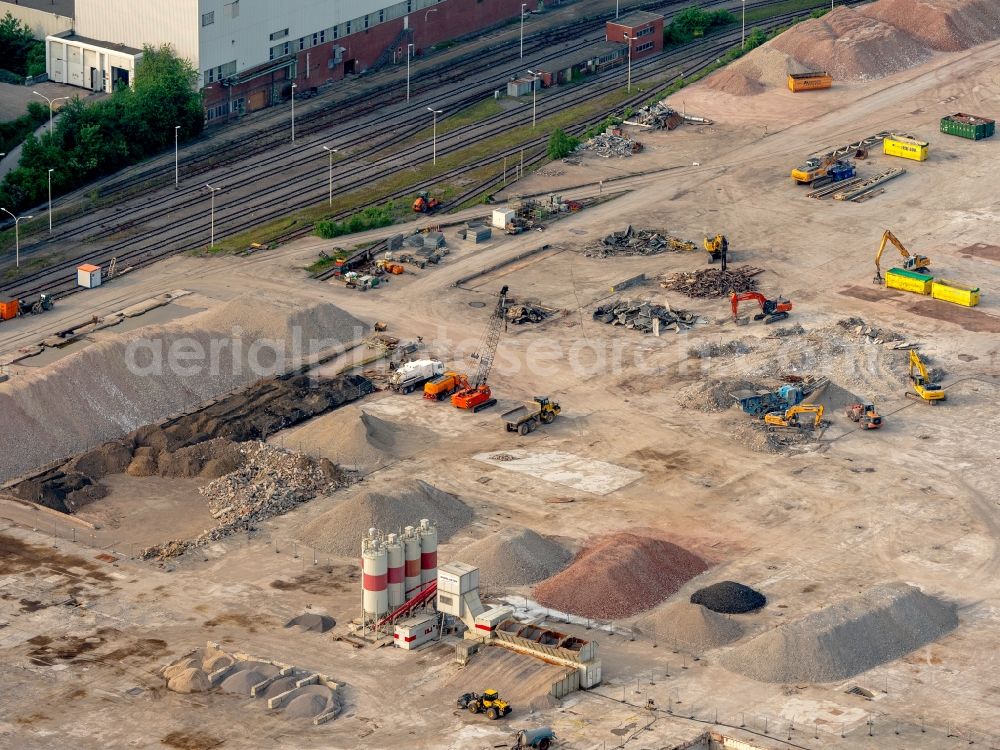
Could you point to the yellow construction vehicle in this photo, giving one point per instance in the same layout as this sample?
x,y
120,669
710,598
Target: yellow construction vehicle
x,y
917,263
717,249
923,388
489,702
790,417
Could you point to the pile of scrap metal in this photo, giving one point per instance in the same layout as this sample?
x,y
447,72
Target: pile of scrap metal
x,y
527,312
638,242
661,117
644,316
612,144
713,282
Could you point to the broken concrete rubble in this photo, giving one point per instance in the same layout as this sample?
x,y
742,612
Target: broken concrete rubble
x,y
608,145
646,317
638,242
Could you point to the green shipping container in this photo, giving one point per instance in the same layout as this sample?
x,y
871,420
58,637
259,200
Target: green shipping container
x,y
908,281
968,126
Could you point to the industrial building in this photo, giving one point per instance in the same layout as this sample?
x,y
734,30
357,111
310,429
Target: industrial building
x,y
250,52
642,30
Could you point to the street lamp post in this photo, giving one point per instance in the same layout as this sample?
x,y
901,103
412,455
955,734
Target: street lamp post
x,y
616,8
213,191
293,113
628,40
177,130
331,151
435,112
50,200
523,7
743,30
409,54
534,90
17,235
51,102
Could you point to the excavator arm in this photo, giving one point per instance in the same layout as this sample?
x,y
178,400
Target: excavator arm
x,y
910,262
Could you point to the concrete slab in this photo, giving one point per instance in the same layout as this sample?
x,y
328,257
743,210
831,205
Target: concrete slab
x,y
578,472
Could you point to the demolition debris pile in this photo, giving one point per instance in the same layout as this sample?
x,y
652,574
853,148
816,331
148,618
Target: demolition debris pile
x,y
619,575
690,626
527,312
729,597
608,145
515,557
637,242
864,43
338,530
129,380
645,317
713,282
854,635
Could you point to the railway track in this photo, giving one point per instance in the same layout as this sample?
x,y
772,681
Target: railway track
x,y
234,218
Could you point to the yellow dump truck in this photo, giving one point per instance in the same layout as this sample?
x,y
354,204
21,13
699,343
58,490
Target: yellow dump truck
x,y
809,81
905,148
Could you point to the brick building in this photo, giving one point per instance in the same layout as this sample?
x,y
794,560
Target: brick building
x,y
644,31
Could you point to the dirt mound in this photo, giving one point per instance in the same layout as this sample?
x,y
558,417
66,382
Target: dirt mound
x,y
851,636
619,575
129,381
947,25
515,557
189,681
339,530
109,458
713,395
690,626
729,597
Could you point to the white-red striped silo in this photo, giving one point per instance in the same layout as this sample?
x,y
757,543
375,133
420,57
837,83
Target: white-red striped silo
x,y
395,571
411,562
428,552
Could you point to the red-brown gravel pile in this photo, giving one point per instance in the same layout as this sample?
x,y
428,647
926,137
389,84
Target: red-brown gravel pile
x,y
619,575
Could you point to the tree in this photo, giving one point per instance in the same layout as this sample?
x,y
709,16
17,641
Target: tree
x,y
16,44
561,145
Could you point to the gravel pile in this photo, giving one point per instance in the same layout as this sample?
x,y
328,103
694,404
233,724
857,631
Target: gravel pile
x,y
690,627
885,623
947,25
713,395
729,597
311,622
125,388
515,557
339,530
619,575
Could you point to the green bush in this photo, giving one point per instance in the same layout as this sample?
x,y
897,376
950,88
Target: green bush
x,y
694,22
819,12
18,46
607,122
13,132
92,139
561,145
372,217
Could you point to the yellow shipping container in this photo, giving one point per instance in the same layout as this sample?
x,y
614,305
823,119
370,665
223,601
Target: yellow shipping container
x,y
907,148
908,281
951,291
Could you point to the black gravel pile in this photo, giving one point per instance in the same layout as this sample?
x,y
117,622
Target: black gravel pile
x,y
729,597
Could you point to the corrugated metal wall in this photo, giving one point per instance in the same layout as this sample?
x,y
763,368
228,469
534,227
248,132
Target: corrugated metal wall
x,y
138,22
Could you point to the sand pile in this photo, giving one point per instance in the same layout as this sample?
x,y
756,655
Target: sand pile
x,y
515,557
115,386
852,636
690,626
353,437
947,25
619,575
339,530
729,597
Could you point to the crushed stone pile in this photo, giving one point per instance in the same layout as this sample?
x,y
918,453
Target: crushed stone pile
x,y
867,42
713,282
619,575
690,626
339,530
515,557
311,622
715,394
129,381
854,635
711,349
637,242
729,597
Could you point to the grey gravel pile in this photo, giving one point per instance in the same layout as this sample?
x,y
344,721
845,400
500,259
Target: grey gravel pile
x,y
690,626
886,622
94,395
729,597
339,530
515,557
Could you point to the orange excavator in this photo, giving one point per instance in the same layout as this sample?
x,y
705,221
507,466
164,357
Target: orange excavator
x,y
771,310
478,396
424,204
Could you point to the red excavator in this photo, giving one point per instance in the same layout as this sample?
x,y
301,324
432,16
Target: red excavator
x,y
771,310
477,395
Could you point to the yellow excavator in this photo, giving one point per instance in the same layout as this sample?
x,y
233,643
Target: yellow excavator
x,y
918,263
717,249
790,417
923,388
